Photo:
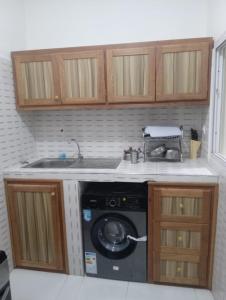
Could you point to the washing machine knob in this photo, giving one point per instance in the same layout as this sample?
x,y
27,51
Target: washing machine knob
x,y
112,203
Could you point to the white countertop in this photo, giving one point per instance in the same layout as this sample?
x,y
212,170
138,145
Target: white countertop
x,y
187,171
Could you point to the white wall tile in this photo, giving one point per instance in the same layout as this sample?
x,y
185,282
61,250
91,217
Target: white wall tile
x,y
16,141
108,132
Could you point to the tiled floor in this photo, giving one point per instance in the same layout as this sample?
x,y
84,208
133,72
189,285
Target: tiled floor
x,y
32,285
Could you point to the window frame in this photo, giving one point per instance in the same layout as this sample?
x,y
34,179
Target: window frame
x,y
217,85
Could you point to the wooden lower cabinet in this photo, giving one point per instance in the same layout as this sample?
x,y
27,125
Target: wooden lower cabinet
x,y
181,231
36,218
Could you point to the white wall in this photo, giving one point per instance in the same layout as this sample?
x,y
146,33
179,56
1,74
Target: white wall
x,y
217,18
57,23
12,26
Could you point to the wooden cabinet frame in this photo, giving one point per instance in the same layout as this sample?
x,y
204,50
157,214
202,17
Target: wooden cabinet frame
x,y
19,85
99,55
155,96
205,65
182,192
206,226
150,51
55,188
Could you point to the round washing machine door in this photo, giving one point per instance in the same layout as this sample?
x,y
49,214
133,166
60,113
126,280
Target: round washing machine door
x,y
109,235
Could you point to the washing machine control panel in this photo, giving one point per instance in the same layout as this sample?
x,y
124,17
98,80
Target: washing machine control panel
x,y
123,202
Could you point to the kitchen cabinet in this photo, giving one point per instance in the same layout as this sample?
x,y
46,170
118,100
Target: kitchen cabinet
x,y
82,77
181,228
126,75
36,218
131,74
182,72
36,80
59,78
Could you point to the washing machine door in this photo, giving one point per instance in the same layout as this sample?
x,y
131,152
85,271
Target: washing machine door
x,y
110,233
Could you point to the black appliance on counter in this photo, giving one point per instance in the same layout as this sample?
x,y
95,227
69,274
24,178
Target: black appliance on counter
x,y
115,230
5,293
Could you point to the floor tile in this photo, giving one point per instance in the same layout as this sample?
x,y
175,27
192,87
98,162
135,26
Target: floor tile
x,y
138,291
34,285
71,288
203,295
102,289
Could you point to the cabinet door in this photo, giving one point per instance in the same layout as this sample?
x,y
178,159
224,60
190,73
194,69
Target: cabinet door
x,y
180,269
131,75
36,80
181,204
182,72
36,218
82,77
180,253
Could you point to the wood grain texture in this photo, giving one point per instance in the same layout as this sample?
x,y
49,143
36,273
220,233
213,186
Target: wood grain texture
x,y
131,75
137,89
82,77
36,80
182,72
181,204
36,215
180,242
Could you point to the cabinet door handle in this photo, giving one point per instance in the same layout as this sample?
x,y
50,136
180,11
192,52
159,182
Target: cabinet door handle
x,y
178,269
53,194
179,238
181,205
56,98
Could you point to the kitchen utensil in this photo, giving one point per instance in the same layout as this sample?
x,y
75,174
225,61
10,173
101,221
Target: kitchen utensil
x,y
134,156
159,151
127,154
172,154
194,135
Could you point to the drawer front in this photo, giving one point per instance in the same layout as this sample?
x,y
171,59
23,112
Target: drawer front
x,y
184,269
179,204
181,238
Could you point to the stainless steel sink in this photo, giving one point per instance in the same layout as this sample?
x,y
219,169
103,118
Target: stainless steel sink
x,y
96,163
51,163
85,163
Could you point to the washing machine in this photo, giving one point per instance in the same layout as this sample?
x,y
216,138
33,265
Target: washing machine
x,y
114,224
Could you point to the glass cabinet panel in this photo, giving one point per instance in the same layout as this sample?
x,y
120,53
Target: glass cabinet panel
x,y
181,206
182,72
131,74
80,78
35,227
180,239
37,78
174,269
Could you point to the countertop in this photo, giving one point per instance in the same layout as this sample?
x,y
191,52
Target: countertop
x,y
186,171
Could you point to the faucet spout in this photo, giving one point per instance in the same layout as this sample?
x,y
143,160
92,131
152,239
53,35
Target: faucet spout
x,y
80,156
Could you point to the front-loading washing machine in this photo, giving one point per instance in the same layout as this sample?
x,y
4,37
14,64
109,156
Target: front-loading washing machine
x,y
115,230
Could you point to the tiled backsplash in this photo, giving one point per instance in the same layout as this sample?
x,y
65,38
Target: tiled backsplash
x,y
16,140
107,132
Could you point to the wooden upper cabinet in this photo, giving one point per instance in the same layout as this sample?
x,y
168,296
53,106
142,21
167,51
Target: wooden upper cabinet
x,y
131,74
136,74
36,80
82,77
182,72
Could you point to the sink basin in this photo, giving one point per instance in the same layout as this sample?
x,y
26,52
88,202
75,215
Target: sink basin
x,y
51,163
85,163
96,163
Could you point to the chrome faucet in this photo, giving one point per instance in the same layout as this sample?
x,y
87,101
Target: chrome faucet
x,y
80,156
